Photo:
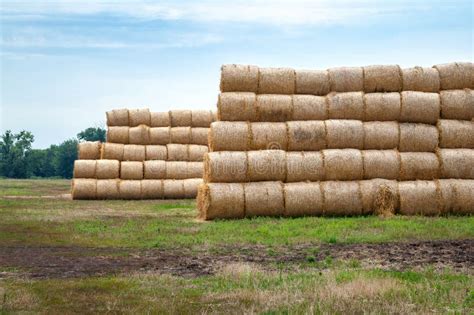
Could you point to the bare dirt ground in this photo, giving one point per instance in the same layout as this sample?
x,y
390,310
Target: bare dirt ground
x,y
70,262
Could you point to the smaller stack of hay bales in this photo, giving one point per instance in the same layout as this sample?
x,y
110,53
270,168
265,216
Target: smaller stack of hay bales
x,y
148,155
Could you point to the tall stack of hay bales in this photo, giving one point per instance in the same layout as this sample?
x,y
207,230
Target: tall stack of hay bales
x,y
342,141
148,155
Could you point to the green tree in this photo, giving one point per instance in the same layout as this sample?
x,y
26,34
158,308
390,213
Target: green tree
x,y
66,155
14,154
92,134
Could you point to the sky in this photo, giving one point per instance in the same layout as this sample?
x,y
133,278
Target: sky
x,y
64,63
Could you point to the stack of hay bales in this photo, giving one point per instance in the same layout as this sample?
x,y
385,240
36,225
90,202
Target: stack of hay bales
x,y
343,141
148,155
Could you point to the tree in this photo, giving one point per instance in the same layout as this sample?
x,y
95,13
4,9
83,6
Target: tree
x,y
14,152
66,155
92,134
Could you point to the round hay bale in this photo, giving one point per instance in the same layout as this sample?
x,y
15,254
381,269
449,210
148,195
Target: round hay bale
x,y
457,196
237,106
457,104
177,170
196,152
221,201
419,198
194,169
177,152
214,116
160,119
341,198
420,107
181,118
84,168
382,78
108,189
456,134
344,134
201,118
457,163
152,189
264,199
117,134
343,164
274,108
131,170
418,138
107,169
156,152
304,166
112,151
134,152
89,150
173,189
381,135
376,201
83,188
303,199
138,117
382,106
306,135
139,135
309,107
225,167
348,105
315,82
418,165
191,187
456,75
180,135
381,164
266,165
276,81
420,79
117,117
346,79
229,136
239,78
199,135
154,169
130,189
268,136
160,135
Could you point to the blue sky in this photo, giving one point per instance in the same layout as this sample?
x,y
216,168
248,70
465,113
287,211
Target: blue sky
x,y
64,63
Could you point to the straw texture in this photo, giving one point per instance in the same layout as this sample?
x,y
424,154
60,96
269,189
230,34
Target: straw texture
x,y
457,104
177,152
419,197
309,107
315,82
196,152
84,188
177,170
370,190
457,196
268,136
456,75
344,134
346,105
160,135
108,189
89,150
220,201
346,79
382,106
341,198
156,152
457,163
225,166
130,189
201,118
418,138
173,189
418,165
303,199
276,81
381,135
274,107
139,135
266,165
199,135
306,135
421,79
154,169
382,78
229,136
237,106
264,199
420,107
133,152
138,117
304,166
117,134
235,78
180,118
381,164
160,119
180,135
112,151
131,170
456,134
151,189
117,117
107,169
343,164
84,168
191,186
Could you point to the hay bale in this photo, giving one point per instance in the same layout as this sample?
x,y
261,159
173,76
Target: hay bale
x,y
107,169
457,196
190,186
199,136
173,189
457,163
225,167
117,117
420,79
418,165
309,107
89,150
180,135
160,119
83,188
343,164
306,135
304,166
303,199
214,116
131,170
194,169
134,152
348,105
155,169
221,201
382,79
274,108
456,75
420,107
315,82
276,81
456,134
138,117
266,165
381,135
376,201
139,135
419,198
344,134
108,189
457,104
177,152
130,189
197,152
264,199
156,152
341,198
181,118
229,136
239,78
112,151
117,134
237,106
151,189
418,138
160,135
382,106
381,164
201,118
346,79
84,168
268,136
177,170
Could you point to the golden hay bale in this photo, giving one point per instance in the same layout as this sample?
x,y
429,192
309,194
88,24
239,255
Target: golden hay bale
x,y
237,106
418,138
201,118
457,163
83,188
274,107
156,152
225,166
214,116
173,189
221,201
268,136
89,150
457,104
381,135
130,189
303,199
117,134
420,79
348,105
266,165
381,164
112,151
160,135
197,152
341,198
382,78
304,166
190,186
276,81
344,134
420,107
306,135
152,189
107,169
229,136
199,135
160,119
382,106
315,82
181,118
84,168
108,189
456,75
177,170
264,199
177,152
180,135
376,201
457,196
346,79
139,135
239,78
456,134
418,165
138,117
117,117
419,198
309,107
154,169
384,205
131,170
134,152
194,169
343,164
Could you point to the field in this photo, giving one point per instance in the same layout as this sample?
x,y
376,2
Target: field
x,y
64,256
